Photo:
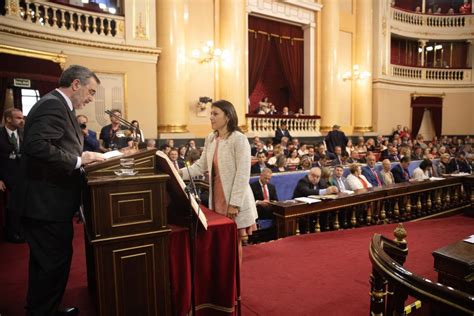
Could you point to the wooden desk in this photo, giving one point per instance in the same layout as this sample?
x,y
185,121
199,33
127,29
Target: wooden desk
x,y
393,203
455,266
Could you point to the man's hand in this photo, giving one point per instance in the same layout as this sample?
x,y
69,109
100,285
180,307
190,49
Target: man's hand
x,y
332,190
3,187
232,212
90,156
263,203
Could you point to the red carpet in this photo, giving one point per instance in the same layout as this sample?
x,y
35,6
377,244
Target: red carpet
x,y
322,274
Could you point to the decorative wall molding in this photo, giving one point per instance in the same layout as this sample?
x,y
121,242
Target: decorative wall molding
x,y
294,11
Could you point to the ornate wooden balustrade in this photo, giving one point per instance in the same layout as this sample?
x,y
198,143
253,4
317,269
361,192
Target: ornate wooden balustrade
x,y
388,204
391,283
431,75
265,125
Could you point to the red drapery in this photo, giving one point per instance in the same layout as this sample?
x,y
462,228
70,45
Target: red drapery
x,y
290,53
434,105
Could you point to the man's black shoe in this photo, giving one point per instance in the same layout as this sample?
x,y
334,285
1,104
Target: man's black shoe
x,y
68,311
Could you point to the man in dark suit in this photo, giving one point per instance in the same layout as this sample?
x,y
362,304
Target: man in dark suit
x,y
400,171
372,175
261,163
264,192
11,138
335,138
281,132
309,185
90,137
49,192
174,155
338,179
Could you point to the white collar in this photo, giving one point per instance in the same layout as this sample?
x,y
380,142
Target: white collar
x,y
10,132
68,101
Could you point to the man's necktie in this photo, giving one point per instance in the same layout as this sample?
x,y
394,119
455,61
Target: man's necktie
x,y
377,177
265,193
176,165
14,142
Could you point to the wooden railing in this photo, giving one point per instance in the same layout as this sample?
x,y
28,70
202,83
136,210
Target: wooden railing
x,y
391,283
265,125
65,20
389,204
437,75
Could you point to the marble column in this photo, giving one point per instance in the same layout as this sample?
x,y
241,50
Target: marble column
x,y
173,111
233,78
422,45
329,64
363,84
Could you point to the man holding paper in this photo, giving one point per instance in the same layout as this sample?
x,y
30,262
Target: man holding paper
x,y
309,185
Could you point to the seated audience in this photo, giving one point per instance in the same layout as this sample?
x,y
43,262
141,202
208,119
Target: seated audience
x,y
280,164
305,163
372,175
400,171
260,165
323,152
137,133
192,156
259,148
423,171
417,154
355,158
264,106
465,8
405,133
293,161
349,147
182,153
165,148
309,185
443,163
393,154
286,111
340,157
312,155
370,145
360,147
355,180
273,110
192,144
386,174
151,143
459,164
338,180
303,150
264,192
268,145
277,151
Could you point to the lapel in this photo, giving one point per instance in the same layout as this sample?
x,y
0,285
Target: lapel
x,y
72,118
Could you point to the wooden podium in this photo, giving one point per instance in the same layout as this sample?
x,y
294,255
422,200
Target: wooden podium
x,y
127,238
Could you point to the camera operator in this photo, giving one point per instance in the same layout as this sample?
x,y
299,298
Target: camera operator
x,y
90,137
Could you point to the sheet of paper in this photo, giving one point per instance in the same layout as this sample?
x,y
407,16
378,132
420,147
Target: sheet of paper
x,y
112,154
436,178
324,197
307,200
470,239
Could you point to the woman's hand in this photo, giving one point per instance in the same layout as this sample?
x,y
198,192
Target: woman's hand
x,y
232,212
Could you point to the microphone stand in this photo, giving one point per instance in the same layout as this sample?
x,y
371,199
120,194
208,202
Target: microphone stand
x,y
193,227
124,122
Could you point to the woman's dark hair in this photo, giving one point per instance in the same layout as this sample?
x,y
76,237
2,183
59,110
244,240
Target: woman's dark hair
x,y
263,99
425,164
229,111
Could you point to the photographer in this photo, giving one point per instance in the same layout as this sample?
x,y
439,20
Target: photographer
x,y
90,137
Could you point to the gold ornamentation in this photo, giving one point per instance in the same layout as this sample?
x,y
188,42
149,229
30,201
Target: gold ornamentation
x,y
353,218
72,41
173,129
317,228
140,29
400,233
363,129
325,128
11,7
336,221
56,58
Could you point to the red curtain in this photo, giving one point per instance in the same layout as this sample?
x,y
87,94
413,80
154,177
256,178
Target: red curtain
x,y
259,47
290,54
434,105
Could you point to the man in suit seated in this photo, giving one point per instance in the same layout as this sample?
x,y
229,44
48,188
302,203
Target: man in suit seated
x,y
459,164
323,152
393,154
372,175
281,132
309,185
340,156
261,163
258,149
400,171
174,155
264,192
338,180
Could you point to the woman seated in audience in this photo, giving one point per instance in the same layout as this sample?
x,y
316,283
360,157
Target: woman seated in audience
x,y
280,165
405,133
137,133
349,147
326,174
268,145
182,153
305,163
423,172
299,113
427,153
264,106
293,161
360,147
434,152
370,144
443,164
303,150
277,151
170,142
356,180
405,151
417,154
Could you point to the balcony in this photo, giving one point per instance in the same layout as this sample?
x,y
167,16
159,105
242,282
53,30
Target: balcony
x,y
431,26
437,76
299,126
60,20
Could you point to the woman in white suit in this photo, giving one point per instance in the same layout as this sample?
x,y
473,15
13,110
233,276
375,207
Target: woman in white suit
x,y
356,180
226,156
